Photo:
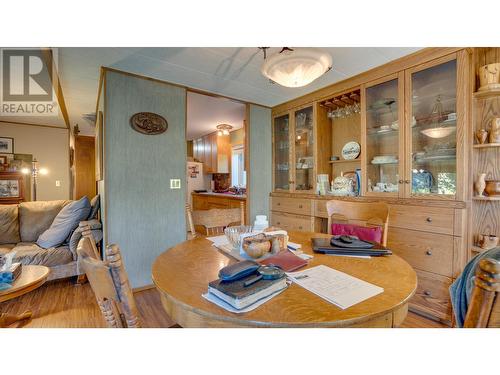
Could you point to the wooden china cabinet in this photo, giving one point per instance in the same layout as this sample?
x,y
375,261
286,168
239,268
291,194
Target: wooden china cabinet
x,y
415,145
298,137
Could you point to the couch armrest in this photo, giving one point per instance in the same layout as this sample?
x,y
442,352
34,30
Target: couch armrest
x,y
95,228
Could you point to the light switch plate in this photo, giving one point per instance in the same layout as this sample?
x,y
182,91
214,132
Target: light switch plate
x,y
175,183
58,183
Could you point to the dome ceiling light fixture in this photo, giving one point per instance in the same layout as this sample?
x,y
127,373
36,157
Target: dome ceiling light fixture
x,y
295,67
223,129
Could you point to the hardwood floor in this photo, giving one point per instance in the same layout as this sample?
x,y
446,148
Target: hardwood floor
x,y
65,304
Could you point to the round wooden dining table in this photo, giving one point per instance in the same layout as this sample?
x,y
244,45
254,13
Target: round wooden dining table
x,y
182,273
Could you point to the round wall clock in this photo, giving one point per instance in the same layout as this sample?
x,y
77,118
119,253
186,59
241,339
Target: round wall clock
x,y
148,123
351,150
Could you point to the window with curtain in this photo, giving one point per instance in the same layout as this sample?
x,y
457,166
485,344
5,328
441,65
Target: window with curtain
x,y
238,174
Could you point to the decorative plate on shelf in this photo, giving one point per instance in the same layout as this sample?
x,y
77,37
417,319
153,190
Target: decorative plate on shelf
x,y
351,150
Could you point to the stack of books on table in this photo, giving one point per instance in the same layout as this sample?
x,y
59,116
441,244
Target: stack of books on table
x,y
10,274
240,296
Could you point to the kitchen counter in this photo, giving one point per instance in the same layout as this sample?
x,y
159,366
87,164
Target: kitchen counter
x,y
223,195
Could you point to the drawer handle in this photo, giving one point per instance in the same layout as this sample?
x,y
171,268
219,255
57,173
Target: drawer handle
x,y
278,223
427,293
278,204
407,181
300,206
428,252
401,181
429,220
300,226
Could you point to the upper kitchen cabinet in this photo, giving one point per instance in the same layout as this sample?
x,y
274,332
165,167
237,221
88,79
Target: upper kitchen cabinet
x,y
435,126
214,152
382,106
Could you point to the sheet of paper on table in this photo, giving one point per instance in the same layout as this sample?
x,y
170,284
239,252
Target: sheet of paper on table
x,y
334,286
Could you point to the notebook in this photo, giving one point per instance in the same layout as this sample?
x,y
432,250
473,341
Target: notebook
x,y
285,260
239,296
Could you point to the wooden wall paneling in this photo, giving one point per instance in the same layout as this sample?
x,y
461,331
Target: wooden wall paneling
x,y
84,165
344,130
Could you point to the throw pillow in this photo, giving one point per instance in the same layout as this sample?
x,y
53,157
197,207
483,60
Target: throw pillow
x,y
95,204
64,223
363,233
9,224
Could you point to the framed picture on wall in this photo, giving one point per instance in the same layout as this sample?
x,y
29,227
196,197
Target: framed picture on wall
x,y
3,160
11,187
6,145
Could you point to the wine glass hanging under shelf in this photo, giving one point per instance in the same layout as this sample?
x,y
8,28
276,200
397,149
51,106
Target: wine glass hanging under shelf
x,y
343,106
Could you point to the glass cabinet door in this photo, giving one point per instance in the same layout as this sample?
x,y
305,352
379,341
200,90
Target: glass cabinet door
x,y
281,152
433,124
303,149
382,147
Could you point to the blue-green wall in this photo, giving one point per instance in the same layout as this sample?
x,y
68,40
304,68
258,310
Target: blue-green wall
x,y
143,215
260,156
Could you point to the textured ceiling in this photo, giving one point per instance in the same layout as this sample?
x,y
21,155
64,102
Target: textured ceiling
x,y
233,72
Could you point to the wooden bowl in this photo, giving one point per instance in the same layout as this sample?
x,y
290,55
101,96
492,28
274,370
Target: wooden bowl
x,y
492,187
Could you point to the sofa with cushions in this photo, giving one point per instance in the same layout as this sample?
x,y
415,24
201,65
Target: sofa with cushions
x,y
47,233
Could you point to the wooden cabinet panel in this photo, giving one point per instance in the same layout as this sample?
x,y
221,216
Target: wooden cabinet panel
x,y
207,202
320,208
199,203
424,251
429,219
292,205
292,222
432,296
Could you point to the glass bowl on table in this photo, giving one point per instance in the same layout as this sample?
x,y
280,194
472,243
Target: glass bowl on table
x,y
233,234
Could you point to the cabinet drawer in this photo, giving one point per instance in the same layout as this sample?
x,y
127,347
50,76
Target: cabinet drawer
x,y
430,219
424,251
320,208
292,222
292,205
432,295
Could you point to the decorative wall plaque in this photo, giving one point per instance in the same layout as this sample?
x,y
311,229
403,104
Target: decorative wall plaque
x,y
148,123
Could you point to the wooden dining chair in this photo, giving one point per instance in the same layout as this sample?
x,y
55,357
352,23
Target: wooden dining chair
x,y
214,221
109,281
484,308
374,214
